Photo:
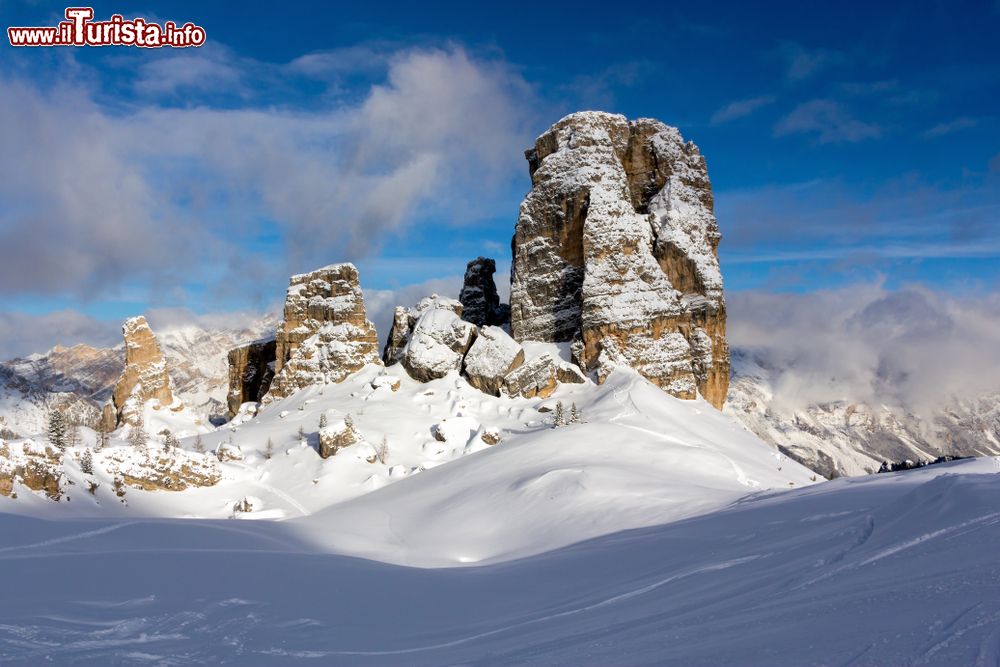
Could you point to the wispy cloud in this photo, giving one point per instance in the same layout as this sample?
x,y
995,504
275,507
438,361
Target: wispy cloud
x,y
824,220
802,63
22,334
950,127
741,108
828,121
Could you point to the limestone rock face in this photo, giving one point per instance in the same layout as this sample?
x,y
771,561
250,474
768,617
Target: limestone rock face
x,y
536,377
479,298
404,319
145,377
491,358
251,369
33,465
437,345
615,249
324,335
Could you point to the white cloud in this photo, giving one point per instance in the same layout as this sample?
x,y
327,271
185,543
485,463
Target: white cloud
x,y
94,198
804,63
912,347
741,108
952,126
828,121
22,334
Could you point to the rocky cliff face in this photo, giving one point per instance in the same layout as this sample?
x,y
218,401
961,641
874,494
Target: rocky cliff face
x,y
145,377
251,369
615,249
480,301
324,335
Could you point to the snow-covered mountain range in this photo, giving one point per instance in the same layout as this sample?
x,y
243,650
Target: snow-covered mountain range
x,y
833,439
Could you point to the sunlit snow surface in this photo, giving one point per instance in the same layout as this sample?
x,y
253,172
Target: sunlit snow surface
x,y
657,533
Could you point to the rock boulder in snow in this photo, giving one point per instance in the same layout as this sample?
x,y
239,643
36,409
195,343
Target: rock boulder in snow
x,y
404,319
615,248
437,345
536,377
324,335
335,436
491,358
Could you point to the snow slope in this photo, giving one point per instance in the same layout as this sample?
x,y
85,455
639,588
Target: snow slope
x,y
645,455
895,569
658,531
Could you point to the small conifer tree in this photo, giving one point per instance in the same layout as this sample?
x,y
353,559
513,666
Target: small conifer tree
x,y
322,420
574,415
87,462
560,416
199,446
57,430
268,449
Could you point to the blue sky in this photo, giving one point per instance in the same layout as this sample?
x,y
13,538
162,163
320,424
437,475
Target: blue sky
x,y
846,143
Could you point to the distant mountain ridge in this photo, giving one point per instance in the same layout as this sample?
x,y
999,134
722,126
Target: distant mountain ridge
x,y
81,378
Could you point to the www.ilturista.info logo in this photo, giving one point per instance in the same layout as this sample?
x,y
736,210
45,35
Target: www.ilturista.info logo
x,y
79,29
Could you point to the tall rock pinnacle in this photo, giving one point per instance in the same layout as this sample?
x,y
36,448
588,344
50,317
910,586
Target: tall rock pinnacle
x,y
325,335
145,377
615,249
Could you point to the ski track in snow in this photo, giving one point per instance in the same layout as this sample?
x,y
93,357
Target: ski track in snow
x,y
68,538
987,518
621,597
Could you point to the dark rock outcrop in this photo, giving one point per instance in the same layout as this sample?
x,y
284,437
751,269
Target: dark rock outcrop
x,y
480,301
251,369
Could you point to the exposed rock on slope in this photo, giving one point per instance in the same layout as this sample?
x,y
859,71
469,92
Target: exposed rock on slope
x,y
251,369
145,377
325,335
480,301
37,467
404,319
616,249
491,358
437,345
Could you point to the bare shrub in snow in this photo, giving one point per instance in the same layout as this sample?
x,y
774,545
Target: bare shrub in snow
x,y
382,451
